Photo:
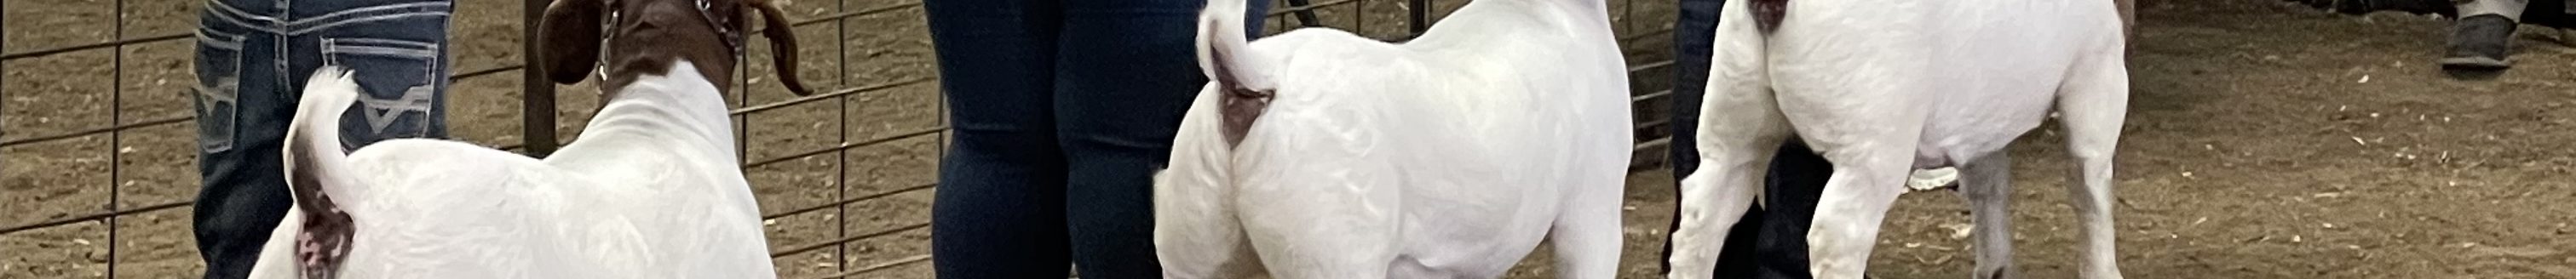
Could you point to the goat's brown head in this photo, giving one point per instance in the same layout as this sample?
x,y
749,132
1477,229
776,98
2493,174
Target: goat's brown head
x,y
644,37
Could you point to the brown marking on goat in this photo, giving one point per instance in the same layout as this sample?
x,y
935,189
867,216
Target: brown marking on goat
x,y
322,243
1239,104
1241,107
1767,14
645,37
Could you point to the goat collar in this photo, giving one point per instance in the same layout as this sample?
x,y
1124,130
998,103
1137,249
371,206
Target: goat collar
x,y
732,37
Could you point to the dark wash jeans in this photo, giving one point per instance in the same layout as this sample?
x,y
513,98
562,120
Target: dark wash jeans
x,y
1770,242
253,57
1061,111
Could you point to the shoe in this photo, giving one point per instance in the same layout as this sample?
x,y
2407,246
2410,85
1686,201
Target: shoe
x,y
2478,43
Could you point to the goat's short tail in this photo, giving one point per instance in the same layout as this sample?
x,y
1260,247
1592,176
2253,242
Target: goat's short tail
x,y
317,172
1225,53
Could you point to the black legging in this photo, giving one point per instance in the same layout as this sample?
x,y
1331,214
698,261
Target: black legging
x,y
1060,111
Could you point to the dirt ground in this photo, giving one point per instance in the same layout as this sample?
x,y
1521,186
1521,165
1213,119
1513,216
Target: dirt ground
x,y
2265,140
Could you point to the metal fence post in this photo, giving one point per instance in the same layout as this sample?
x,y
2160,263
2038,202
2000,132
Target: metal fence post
x,y
115,138
1421,13
4,73
539,90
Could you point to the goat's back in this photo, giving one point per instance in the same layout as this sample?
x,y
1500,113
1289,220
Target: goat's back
x,y
444,209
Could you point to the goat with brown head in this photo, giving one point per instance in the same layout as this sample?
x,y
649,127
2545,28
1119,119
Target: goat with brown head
x,y
643,42
645,37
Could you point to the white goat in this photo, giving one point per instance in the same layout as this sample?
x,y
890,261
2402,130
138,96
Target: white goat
x,y
1884,87
1450,156
651,190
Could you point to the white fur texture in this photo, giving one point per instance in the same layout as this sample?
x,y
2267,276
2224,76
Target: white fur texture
x,y
652,190
1881,88
1450,156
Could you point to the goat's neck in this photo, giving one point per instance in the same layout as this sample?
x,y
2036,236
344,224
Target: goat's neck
x,y
1585,17
681,105
1578,10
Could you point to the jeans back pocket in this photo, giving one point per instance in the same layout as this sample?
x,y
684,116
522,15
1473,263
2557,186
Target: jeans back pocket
x,y
218,90
401,82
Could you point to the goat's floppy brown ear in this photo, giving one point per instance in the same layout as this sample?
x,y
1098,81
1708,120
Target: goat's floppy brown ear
x,y
782,45
568,39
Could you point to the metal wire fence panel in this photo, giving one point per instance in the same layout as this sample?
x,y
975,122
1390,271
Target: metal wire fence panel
x,y
843,175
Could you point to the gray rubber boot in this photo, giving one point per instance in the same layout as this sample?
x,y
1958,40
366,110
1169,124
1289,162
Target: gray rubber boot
x,y
2479,43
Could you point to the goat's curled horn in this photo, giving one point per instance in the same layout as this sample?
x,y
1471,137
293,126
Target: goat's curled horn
x,y
782,44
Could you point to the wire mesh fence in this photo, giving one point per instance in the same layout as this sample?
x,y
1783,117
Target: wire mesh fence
x,y
54,163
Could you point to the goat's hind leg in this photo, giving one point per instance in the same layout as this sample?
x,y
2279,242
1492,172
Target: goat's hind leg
x,y
1741,125
2091,104
1196,235
1736,145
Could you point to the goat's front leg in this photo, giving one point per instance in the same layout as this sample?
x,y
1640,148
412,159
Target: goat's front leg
x,y
1987,185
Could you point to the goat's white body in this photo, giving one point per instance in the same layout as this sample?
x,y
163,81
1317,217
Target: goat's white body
x,y
1450,156
651,190
1881,88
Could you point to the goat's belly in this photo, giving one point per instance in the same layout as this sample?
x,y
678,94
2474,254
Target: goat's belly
x,y
1474,206
1473,234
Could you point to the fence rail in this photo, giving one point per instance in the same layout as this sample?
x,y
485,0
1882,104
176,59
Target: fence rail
x,y
539,119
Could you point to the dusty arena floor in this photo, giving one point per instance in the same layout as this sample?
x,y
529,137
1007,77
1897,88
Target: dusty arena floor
x,y
2265,140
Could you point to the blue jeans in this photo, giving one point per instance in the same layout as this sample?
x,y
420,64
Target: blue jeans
x,y
253,57
1061,111
1769,242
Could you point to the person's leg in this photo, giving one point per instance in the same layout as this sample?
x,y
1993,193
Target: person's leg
x,y
999,209
2480,38
238,135
1796,182
396,51
1692,44
1127,71
1305,18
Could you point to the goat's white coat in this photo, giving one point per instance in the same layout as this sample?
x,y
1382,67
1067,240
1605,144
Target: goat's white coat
x,y
1450,156
1884,87
652,190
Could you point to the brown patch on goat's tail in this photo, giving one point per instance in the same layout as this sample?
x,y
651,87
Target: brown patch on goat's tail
x,y
1767,14
314,158
1241,107
1244,91
323,243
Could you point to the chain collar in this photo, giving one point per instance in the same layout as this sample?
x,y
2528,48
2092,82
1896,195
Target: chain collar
x,y
732,37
